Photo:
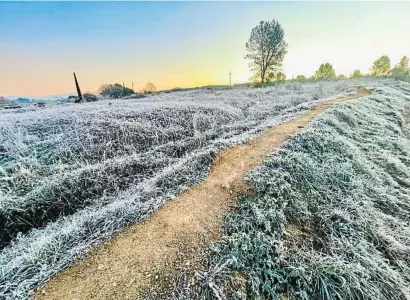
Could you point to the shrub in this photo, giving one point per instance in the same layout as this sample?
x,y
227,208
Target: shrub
x,y
399,73
115,91
87,97
257,84
72,99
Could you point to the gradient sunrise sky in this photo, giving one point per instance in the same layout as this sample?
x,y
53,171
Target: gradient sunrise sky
x,y
184,44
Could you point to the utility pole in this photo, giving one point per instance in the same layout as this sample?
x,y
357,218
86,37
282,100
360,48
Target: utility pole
x,y
230,81
132,85
80,96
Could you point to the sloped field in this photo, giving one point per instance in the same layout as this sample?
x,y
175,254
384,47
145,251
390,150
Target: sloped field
x,y
72,175
330,218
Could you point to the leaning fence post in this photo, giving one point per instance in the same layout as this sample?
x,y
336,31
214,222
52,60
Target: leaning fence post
x,y
80,97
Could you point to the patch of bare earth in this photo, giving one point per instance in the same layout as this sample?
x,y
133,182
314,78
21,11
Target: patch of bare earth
x,y
175,237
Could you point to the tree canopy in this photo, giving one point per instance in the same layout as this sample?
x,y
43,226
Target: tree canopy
x,y
401,70
404,63
266,48
325,71
280,76
301,77
381,66
356,74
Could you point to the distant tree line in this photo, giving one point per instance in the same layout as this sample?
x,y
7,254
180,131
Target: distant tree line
x,y
266,49
115,91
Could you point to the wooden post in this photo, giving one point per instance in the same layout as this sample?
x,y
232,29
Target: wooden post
x,y
80,96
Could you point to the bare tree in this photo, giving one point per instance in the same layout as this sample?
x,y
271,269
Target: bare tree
x,y
266,48
149,88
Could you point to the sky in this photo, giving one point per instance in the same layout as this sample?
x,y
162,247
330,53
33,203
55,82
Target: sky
x,y
184,44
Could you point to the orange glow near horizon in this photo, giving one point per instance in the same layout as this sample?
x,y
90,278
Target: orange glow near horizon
x,y
183,44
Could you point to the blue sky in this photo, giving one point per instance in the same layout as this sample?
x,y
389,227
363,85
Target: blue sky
x,y
184,43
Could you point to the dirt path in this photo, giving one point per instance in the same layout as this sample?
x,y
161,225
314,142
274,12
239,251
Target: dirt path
x,y
176,235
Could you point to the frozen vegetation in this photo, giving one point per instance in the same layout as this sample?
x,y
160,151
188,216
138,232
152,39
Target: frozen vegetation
x,y
72,175
330,218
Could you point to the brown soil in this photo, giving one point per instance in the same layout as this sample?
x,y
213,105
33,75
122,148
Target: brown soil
x,y
177,234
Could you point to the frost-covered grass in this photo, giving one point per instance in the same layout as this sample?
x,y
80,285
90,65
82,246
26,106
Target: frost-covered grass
x,y
330,218
71,175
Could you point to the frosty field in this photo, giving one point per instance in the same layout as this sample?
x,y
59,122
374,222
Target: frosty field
x,y
330,218
72,175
